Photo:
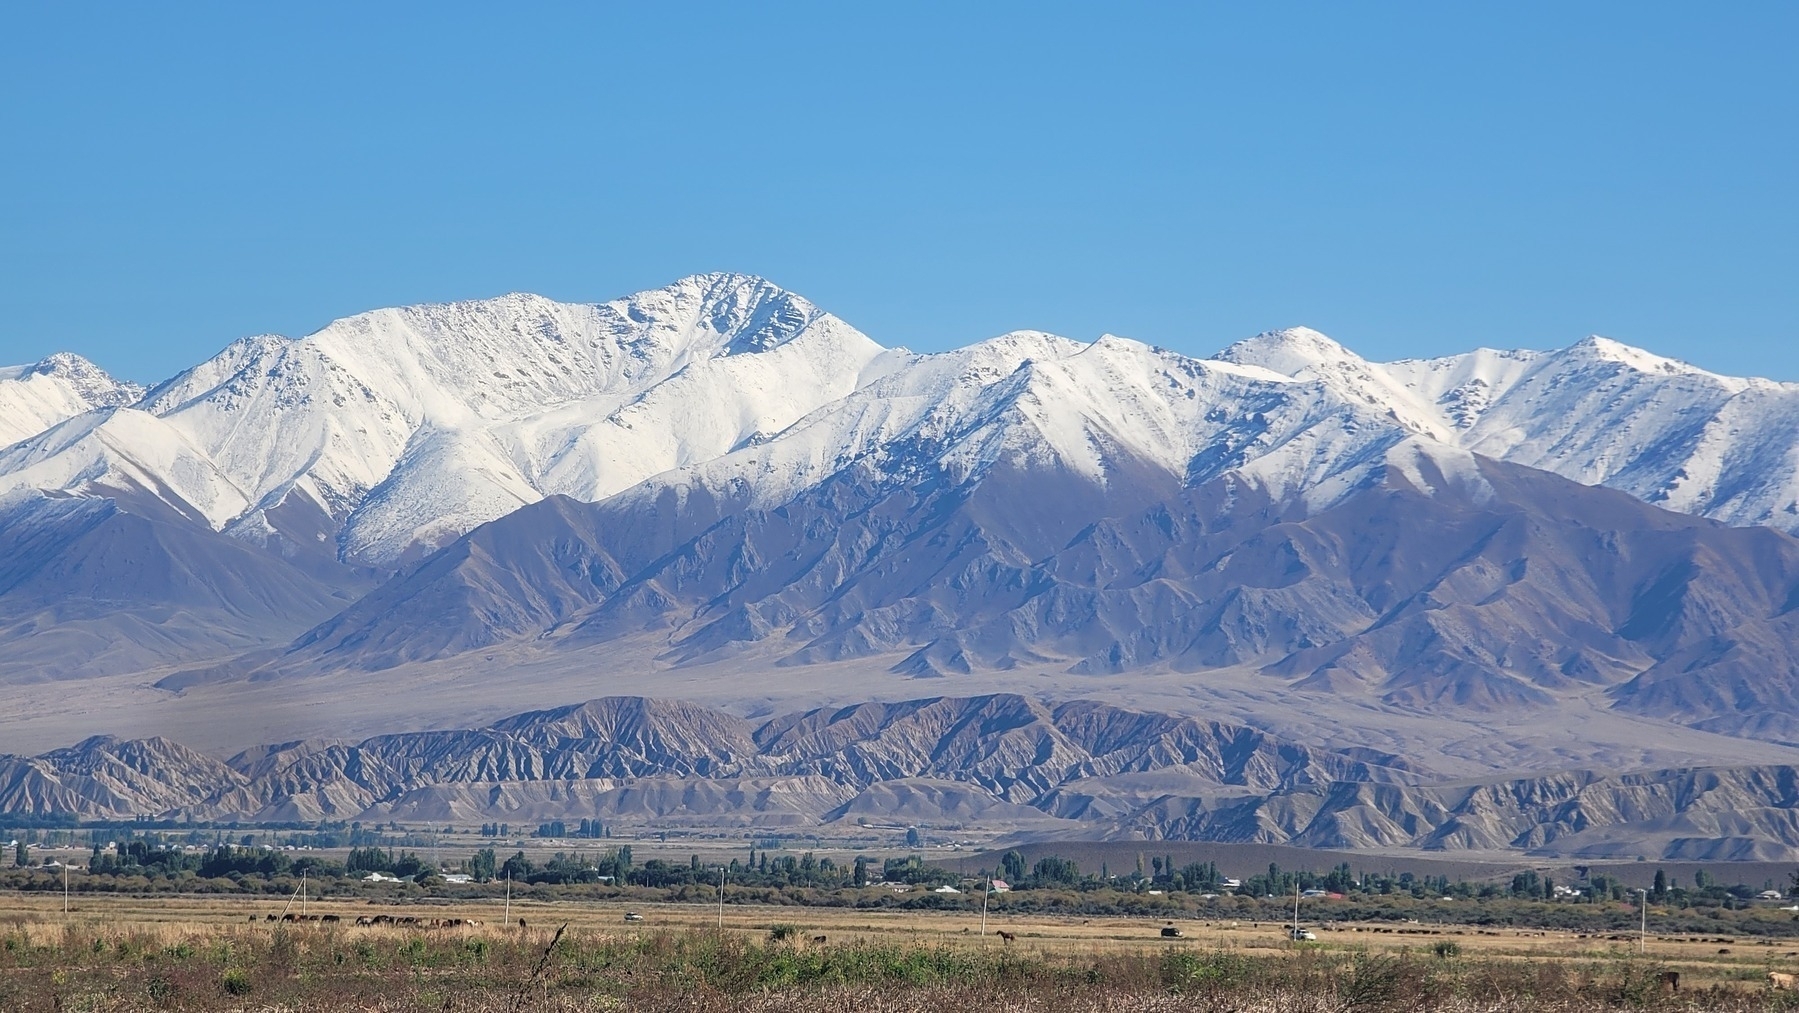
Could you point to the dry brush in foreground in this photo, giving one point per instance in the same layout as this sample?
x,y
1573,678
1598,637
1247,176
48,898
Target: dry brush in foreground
x,y
86,967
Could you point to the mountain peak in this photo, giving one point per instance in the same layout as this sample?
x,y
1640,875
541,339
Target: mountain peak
x,y
84,377
698,315
54,389
1291,351
63,363
381,433
1605,349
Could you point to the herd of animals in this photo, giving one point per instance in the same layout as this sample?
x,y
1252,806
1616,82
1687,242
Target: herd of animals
x,y
409,920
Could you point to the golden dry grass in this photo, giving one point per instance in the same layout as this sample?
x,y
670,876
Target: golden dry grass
x,y
104,953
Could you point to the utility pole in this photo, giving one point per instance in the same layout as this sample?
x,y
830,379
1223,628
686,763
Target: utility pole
x,y
508,918
984,895
1643,930
65,888
721,898
302,893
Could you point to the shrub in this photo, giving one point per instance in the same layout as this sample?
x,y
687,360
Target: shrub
x,y
235,981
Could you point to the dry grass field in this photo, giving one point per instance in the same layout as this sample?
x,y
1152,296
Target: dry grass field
x,y
135,953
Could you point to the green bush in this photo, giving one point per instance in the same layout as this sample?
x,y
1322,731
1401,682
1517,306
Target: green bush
x,y
235,981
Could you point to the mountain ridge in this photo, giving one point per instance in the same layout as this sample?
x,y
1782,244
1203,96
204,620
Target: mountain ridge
x,y
718,480
479,407
1000,761
1408,587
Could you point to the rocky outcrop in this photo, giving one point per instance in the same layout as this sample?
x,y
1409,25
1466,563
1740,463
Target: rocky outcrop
x,y
1738,812
1004,761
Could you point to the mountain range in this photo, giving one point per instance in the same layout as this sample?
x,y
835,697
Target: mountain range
x,y
720,488
1080,768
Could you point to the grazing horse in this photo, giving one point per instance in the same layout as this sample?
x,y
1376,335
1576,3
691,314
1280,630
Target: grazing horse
x,y
1006,936
818,939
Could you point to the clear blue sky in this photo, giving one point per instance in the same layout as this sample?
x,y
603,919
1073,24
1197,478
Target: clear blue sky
x,y
1412,179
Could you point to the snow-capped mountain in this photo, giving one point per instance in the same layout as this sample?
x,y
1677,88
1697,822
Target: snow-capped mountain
x,y
1599,412
388,434
720,484
696,414
33,398
1115,415
393,431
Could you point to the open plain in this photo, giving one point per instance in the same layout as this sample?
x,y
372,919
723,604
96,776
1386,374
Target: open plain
x,y
112,952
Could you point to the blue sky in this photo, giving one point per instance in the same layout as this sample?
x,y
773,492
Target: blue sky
x,y
1412,179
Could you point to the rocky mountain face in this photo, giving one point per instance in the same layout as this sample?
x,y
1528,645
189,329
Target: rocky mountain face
x,y
1080,767
1712,814
1411,590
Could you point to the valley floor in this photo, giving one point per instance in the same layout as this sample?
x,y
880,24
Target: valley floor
x,y
225,716
127,953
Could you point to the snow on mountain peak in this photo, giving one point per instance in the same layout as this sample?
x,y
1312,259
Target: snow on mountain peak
x,y
489,403
391,431
66,364
1602,349
1305,354
58,387
1291,351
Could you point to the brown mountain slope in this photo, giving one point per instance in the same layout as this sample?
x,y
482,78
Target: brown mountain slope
x,y
1081,768
1435,581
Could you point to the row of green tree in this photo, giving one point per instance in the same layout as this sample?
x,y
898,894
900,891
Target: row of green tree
x,y
553,828
1055,872
141,858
